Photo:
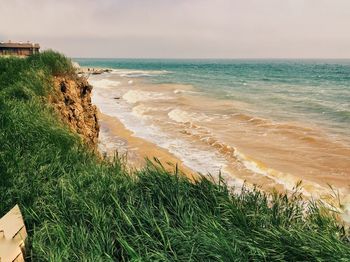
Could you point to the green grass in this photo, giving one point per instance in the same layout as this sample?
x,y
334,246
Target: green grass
x,y
54,63
79,208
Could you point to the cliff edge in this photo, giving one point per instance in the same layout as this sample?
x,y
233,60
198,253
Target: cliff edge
x,y
72,100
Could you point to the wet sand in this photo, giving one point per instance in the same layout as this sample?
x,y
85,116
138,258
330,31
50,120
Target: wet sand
x,y
138,149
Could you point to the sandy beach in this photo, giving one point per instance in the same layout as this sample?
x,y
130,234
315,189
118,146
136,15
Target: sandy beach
x,y
137,150
177,124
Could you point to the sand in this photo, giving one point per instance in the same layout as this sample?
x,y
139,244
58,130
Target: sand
x,y
139,149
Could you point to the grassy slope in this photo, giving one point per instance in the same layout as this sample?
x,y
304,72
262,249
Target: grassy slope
x,y
78,208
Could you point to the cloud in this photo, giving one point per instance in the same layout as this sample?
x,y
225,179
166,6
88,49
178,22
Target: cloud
x,y
182,28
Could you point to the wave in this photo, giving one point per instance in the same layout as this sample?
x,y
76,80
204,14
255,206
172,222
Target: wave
x,y
193,157
104,83
138,73
286,180
141,110
293,130
181,91
134,96
182,116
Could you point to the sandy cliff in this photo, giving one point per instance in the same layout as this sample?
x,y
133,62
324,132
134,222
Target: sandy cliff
x,y
72,100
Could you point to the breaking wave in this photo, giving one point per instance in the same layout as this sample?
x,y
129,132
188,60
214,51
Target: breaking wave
x,y
141,110
138,73
182,116
104,83
134,96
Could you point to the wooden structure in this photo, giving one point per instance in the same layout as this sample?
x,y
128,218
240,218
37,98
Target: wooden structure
x,y
18,49
12,236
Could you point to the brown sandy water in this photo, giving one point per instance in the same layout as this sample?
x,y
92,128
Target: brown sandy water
x,y
177,124
136,149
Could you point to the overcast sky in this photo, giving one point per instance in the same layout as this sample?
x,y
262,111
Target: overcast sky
x,y
182,28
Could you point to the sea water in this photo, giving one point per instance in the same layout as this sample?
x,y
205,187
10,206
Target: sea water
x,y
309,90
267,122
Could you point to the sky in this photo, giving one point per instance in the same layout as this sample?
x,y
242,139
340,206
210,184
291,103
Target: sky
x,y
181,28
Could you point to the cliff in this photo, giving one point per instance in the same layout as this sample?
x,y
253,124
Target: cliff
x,y
72,100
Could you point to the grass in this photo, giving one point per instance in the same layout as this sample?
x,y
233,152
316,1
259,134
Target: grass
x,y
78,207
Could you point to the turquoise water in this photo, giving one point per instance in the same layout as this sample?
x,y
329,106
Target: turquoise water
x,y
313,91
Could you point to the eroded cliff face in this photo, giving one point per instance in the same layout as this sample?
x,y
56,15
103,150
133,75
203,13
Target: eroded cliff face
x,y
72,100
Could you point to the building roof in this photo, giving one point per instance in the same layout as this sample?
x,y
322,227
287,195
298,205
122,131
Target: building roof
x,y
19,45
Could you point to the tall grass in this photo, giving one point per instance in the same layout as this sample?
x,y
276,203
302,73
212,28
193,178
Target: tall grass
x,y
78,207
55,63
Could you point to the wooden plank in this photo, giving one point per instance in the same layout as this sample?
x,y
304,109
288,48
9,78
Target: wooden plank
x,y
12,236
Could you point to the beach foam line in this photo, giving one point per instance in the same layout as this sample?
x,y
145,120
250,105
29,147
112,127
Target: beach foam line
x,y
104,83
138,73
204,135
141,110
288,181
270,124
345,209
182,91
181,116
194,158
134,96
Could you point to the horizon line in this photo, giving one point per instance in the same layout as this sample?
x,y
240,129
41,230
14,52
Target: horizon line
x,y
216,58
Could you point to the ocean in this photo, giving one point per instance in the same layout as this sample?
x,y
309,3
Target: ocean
x,y
265,122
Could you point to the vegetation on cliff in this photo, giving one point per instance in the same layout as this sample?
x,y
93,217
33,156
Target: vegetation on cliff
x,y
79,208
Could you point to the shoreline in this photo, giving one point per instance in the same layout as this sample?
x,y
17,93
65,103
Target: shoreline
x,y
138,149
143,100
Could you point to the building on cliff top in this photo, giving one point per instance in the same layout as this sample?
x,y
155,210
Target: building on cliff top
x,y
18,49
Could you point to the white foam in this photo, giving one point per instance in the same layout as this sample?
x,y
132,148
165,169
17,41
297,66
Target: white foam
x,y
288,181
345,212
134,96
104,83
138,73
181,91
285,180
140,110
182,116
109,145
